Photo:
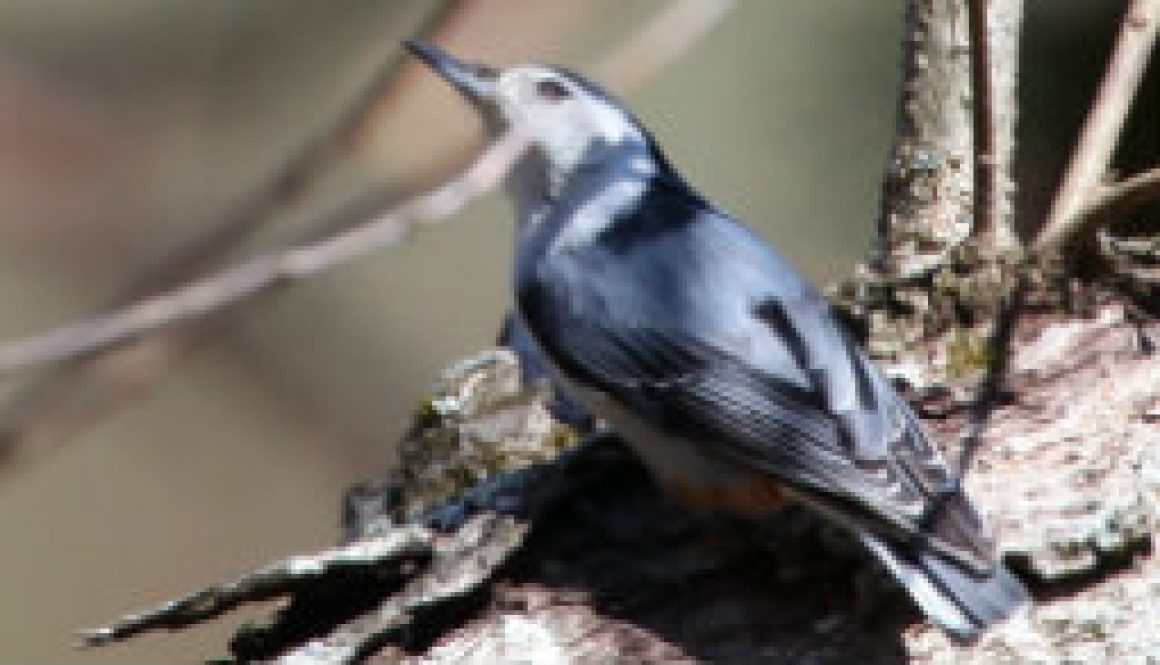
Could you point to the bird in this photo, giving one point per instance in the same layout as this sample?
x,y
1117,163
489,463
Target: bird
x,y
724,370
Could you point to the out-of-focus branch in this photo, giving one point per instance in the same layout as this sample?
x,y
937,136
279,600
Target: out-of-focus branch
x,y
67,395
258,275
660,42
314,158
91,346
668,35
1101,130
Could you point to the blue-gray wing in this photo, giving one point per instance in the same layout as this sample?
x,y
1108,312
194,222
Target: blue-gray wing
x,y
710,335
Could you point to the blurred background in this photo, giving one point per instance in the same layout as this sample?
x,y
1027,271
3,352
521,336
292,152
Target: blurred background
x,y
131,129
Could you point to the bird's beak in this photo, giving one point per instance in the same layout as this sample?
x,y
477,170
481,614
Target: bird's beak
x,y
475,82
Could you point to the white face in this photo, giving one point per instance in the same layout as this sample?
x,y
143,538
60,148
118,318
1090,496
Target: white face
x,y
572,126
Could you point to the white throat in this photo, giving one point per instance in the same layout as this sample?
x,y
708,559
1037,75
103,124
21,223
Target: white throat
x,y
592,192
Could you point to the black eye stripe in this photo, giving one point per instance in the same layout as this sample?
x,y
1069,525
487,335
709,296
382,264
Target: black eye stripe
x,y
552,89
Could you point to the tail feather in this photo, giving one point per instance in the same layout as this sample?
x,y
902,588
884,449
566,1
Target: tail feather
x,y
961,601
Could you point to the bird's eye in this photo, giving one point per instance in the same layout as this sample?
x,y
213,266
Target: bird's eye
x,y
552,90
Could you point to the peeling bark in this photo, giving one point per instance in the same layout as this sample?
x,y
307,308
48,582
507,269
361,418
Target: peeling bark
x,y
580,559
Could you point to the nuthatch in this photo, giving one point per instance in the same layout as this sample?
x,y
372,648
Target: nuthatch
x,y
722,367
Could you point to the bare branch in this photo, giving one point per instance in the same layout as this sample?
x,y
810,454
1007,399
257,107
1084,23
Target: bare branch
x,y
655,45
1136,190
1102,128
928,186
261,273
53,405
660,42
1109,200
315,157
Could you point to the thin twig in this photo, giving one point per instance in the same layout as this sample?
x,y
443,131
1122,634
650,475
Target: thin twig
x,y
53,404
1107,201
315,157
983,116
1102,128
259,274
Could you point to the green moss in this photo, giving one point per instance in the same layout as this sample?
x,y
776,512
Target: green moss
x,y
427,415
968,353
562,437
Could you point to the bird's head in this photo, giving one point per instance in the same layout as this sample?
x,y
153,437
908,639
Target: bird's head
x,y
573,125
